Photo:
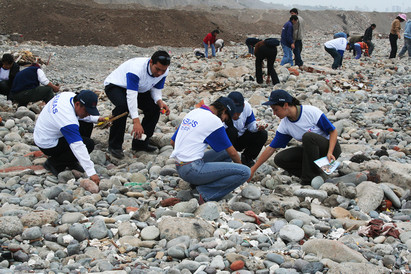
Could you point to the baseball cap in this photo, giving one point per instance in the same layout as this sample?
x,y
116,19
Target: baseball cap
x,y
279,96
403,16
229,105
238,100
89,100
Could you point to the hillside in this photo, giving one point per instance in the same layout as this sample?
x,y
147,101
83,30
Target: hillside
x,y
78,22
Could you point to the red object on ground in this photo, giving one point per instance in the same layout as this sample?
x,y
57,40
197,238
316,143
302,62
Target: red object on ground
x,y
237,265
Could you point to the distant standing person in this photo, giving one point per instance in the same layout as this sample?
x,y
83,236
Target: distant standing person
x,y
265,52
395,33
407,40
287,41
8,70
251,42
336,48
32,85
219,45
368,37
298,34
209,41
137,84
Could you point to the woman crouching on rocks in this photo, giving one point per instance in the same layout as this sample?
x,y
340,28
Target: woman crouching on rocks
x,y
306,124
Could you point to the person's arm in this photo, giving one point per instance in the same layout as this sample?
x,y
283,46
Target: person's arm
x,y
232,152
261,160
331,146
41,77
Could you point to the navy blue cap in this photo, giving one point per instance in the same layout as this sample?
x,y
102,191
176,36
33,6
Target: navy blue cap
x,y
229,105
89,100
279,96
238,100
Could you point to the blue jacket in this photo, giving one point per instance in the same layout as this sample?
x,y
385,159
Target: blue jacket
x,y
287,34
407,31
25,80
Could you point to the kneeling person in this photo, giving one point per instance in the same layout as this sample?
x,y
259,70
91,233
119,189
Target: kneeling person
x,y
60,135
244,133
211,172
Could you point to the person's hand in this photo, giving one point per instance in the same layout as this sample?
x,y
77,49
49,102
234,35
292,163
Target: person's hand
x,y
95,179
251,175
292,46
56,88
164,106
330,157
262,127
102,119
137,130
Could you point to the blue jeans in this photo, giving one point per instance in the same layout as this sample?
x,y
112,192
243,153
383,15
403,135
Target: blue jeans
x,y
288,55
407,46
358,51
214,176
206,49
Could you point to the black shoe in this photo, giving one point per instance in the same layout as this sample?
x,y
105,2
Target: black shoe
x,y
47,165
247,161
77,167
118,153
148,148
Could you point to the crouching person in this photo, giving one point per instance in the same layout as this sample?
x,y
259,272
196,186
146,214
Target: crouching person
x,y
211,172
60,135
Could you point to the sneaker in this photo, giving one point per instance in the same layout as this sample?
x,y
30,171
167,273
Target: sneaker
x,y
117,153
148,148
47,165
247,161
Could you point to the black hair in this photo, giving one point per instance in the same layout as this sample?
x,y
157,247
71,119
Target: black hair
x,y
7,58
219,107
399,18
373,25
216,31
162,57
294,102
293,10
293,17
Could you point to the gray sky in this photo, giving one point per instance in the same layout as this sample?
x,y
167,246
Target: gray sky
x,y
368,5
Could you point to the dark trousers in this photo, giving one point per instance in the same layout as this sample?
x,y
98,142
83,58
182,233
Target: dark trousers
x,y
393,43
41,93
299,161
337,57
5,88
61,155
297,52
370,47
269,53
250,142
151,111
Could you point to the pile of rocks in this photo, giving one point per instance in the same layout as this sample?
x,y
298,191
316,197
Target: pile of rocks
x,y
145,219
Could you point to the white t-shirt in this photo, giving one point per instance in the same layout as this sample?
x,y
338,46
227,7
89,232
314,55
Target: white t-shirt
x,y
338,44
246,121
199,128
4,74
58,119
135,76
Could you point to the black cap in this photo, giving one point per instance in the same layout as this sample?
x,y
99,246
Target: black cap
x,y
89,100
229,105
279,96
238,100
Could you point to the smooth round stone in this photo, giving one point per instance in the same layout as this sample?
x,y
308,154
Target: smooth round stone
x,y
234,224
297,222
32,233
150,233
373,214
317,182
251,192
240,206
291,233
276,258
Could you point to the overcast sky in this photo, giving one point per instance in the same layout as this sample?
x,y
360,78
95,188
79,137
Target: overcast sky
x,y
369,5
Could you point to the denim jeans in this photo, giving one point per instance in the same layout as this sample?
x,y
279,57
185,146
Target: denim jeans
x,y
407,46
358,51
288,55
206,50
213,175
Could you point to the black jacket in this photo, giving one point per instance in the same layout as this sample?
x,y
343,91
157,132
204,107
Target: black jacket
x,y
13,71
367,35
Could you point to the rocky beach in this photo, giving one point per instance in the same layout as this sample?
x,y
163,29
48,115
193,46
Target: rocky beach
x,y
144,219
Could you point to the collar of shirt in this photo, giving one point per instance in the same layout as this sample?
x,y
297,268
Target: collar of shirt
x,y
148,69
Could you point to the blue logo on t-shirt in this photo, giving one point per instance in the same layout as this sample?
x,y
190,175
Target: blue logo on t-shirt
x,y
187,123
54,104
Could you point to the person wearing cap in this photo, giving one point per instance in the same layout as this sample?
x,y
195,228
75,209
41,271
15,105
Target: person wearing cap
x,y
32,85
336,49
243,132
407,40
8,70
308,125
395,33
137,84
211,172
63,131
